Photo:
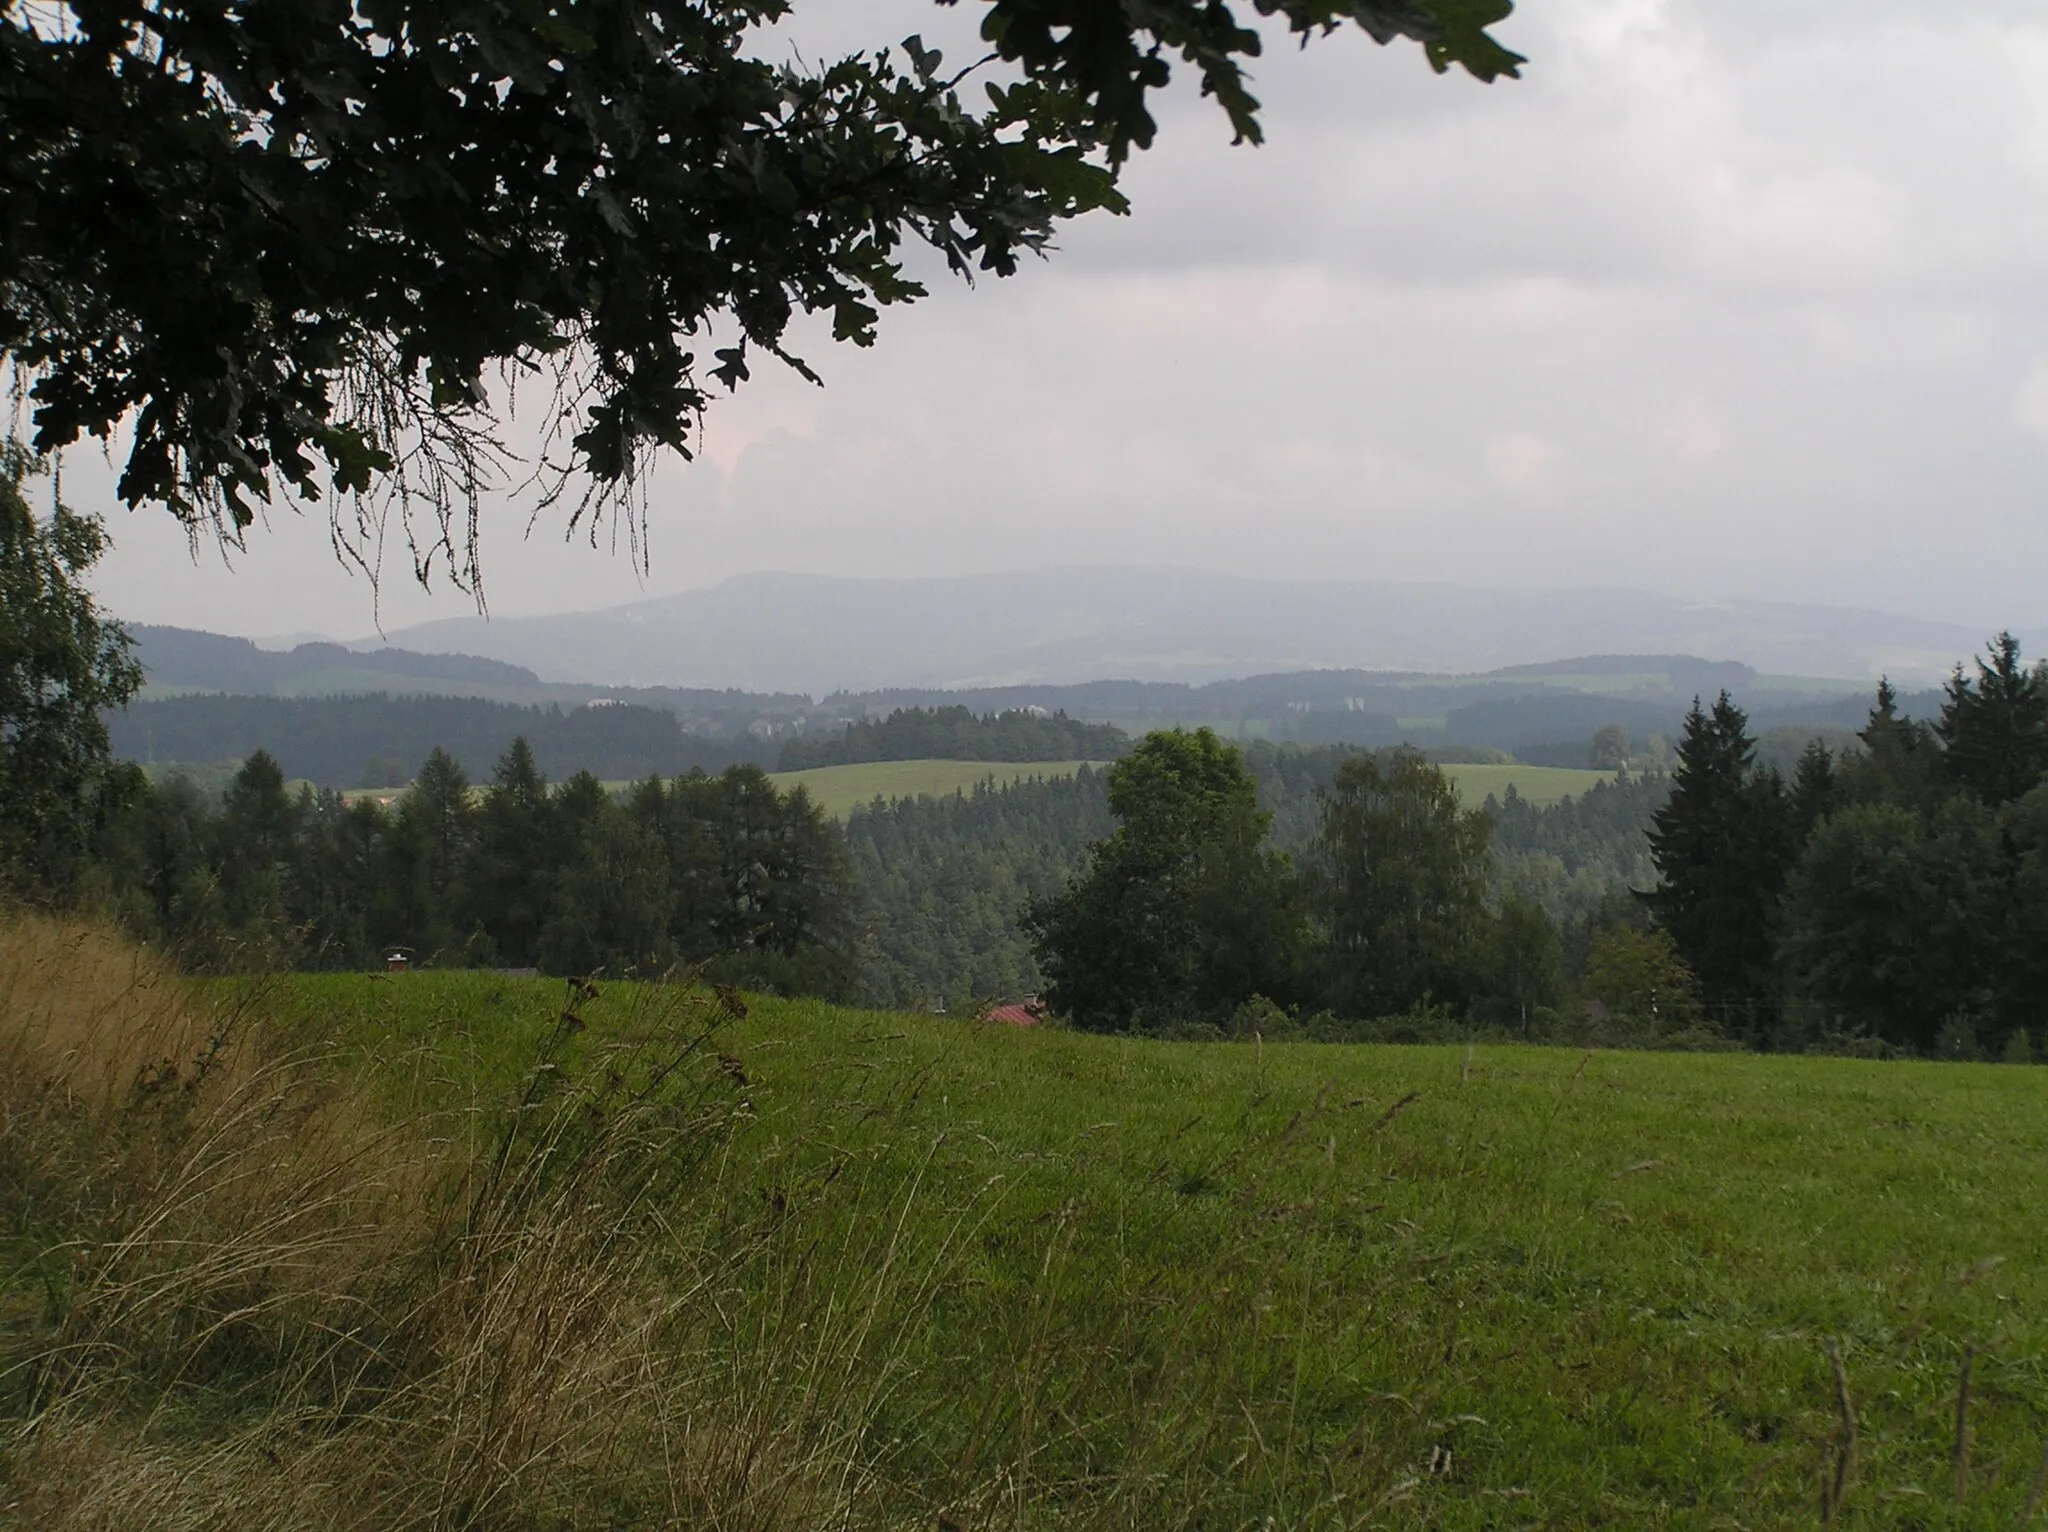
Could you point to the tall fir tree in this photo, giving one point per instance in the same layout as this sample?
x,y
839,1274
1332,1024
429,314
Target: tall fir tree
x,y
512,880
429,853
1995,725
1901,759
1722,842
259,835
1815,788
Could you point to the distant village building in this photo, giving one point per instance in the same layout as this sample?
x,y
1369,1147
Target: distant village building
x,y
1027,1013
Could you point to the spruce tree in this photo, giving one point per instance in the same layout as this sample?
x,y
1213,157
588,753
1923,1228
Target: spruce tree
x,y
259,833
1995,725
1815,788
514,865
1901,760
428,854
1722,844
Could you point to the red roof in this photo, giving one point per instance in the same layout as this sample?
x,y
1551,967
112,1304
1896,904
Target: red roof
x,y
1016,1015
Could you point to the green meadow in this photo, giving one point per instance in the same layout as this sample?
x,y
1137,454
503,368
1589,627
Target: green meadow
x,y
806,1266
837,789
1541,785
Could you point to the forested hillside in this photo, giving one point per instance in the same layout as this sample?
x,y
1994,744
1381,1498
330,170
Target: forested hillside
x,y
957,734
942,882
1576,858
376,741
184,658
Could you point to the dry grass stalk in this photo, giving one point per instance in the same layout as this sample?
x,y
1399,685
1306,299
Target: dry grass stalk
x,y
1962,1446
1395,1111
1835,1488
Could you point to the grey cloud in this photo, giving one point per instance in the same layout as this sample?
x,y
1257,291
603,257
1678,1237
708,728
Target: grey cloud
x,y
1723,299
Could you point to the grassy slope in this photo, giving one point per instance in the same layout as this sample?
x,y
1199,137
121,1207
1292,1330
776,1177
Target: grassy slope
x,y
838,788
1541,785
1254,1283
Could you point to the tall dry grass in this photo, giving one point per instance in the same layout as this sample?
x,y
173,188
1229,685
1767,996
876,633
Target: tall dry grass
x,y
249,1283
244,1286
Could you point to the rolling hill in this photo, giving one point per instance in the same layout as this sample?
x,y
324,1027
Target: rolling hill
x,y
813,633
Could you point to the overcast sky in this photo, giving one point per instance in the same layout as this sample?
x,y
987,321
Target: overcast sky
x,y
1724,298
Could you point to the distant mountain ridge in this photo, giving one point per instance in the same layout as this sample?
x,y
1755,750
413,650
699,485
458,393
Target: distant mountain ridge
x,y
186,658
821,633
216,698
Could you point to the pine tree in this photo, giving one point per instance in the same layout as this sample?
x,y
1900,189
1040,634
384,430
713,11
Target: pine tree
x,y
1722,843
514,865
609,913
258,835
429,852
1815,788
1995,725
1900,763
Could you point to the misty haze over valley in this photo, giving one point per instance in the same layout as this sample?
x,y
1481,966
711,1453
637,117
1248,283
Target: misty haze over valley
x,y
816,633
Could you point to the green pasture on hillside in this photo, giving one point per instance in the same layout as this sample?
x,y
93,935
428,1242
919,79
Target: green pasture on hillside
x,y
837,789
1234,1286
1541,785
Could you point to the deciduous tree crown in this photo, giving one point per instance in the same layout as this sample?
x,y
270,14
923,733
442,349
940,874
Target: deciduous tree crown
x,y
284,243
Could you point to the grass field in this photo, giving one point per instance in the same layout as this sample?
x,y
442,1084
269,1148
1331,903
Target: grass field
x,y
902,1271
1541,785
838,788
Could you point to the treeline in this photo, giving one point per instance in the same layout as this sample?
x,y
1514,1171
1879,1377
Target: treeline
x,y
943,882
957,734
1891,897
1574,859
723,870
1895,897
1188,919
376,740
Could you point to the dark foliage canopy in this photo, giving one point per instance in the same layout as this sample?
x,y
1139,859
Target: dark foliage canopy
x,y
289,239
1401,884
377,741
1182,914
1722,844
722,871
1995,724
956,734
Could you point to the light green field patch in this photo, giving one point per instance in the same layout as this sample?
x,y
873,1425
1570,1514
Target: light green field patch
x,y
1540,785
837,789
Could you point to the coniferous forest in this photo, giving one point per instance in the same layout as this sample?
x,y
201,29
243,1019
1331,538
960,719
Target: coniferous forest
x,y
724,872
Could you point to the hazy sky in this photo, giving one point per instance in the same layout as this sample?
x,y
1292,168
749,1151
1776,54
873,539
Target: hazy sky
x,y
1724,298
